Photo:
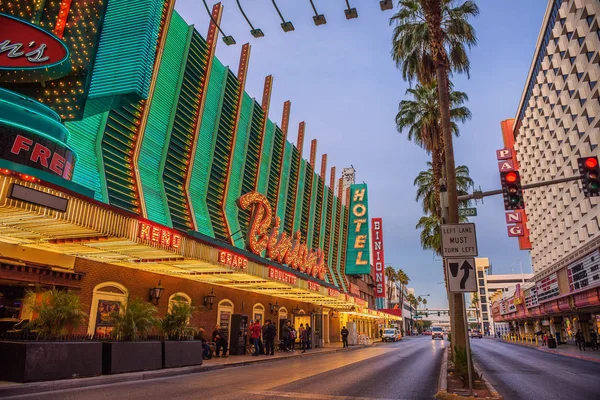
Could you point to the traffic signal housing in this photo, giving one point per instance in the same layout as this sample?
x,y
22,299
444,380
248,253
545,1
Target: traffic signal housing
x,y
512,191
590,176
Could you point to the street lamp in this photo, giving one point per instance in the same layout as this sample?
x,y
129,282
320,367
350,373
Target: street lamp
x,y
287,26
350,12
228,40
257,33
209,300
319,19
155,293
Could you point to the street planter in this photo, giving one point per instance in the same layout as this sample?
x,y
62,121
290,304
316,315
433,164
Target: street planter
x,y
119,357
29,361
181,353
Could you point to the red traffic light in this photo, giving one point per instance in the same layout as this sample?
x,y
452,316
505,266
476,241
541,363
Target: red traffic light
x,y
511,177
591,162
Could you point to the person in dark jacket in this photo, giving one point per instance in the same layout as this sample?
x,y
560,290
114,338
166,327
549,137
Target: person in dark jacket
x,y
269,334
308,337
220,339
345,334
285,336
580,340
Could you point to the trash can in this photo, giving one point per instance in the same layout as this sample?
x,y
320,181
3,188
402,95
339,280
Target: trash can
x,y
551,343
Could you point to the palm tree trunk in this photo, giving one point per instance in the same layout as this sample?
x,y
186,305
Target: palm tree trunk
x,y
433,16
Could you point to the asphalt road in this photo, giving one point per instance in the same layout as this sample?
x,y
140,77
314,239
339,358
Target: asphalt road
x,y
404,370
524,373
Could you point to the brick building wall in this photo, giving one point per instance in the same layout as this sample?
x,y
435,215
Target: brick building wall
x,y
139,282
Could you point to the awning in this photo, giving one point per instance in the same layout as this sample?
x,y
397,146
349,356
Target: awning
x,y
97,231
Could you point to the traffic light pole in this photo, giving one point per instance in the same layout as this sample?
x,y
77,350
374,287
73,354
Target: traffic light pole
x,y
477,195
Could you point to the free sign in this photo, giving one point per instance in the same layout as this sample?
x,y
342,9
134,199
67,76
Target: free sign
x,y
459,240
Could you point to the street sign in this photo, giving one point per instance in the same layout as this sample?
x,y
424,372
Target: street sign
x,y
467,212
462,274
459,240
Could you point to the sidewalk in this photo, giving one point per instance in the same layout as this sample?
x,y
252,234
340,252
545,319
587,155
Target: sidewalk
x,y
16,389
566,350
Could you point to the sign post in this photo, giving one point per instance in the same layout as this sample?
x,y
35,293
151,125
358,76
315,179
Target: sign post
x,y
459,246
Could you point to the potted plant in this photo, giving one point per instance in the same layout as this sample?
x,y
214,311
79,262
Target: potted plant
x,y
179,348
130,350
46,349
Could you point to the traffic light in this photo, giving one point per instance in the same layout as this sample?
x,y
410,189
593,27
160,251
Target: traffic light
x,y
511,190
590,176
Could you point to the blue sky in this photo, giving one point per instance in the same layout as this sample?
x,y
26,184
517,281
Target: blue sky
x,y
342,82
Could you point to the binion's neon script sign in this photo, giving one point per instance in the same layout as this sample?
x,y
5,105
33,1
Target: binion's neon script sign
x,y
264,235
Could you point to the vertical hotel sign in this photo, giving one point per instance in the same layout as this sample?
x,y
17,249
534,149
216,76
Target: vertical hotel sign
x,y
357,247
377,237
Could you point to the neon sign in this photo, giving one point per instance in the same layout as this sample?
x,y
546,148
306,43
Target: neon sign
x,y
281,276
30,54
160,236
264,235
233,260
357,246
313,286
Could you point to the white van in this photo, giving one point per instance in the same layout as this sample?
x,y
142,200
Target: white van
x,y
389,335
437,333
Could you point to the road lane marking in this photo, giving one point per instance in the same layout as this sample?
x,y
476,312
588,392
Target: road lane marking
x,y
315,396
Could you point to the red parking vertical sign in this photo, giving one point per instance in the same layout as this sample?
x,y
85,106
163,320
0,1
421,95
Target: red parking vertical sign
x,y
377,240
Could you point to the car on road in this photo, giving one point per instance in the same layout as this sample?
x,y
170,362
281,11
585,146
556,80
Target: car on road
x,y
476,333
437,333
427,333
390,335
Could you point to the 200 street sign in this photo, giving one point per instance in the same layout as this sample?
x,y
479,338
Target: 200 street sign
x,y
467,212
459,240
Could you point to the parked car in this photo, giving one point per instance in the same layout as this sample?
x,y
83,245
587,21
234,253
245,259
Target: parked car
x,y
427,333
390,335
476,333
437,333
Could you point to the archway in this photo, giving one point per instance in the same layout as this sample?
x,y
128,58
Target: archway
x,y
108,297
224,313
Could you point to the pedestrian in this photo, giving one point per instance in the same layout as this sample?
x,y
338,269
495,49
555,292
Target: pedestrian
x,y
580,340
545,339
269,337
220,339
381,334
205,346
263,345
345,334
594,339
293,336
308,337
255,330
302,334
285,336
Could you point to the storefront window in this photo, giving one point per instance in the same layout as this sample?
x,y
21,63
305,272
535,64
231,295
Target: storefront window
x,y
108,298
282,319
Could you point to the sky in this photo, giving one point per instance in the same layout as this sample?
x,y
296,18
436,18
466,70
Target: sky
x,y
342,82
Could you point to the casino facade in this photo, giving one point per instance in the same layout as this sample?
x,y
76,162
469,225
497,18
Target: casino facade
x,y
134,169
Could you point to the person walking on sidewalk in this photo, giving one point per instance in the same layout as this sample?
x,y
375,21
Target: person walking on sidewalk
x,y
220,339
269,334
594,339
263,345
255,330
293,336
308,337
205,346
285,336
580,340
303,337
345,334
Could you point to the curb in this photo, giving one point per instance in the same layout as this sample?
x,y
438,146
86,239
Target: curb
x,y
443,379
16,389
490,387
558,353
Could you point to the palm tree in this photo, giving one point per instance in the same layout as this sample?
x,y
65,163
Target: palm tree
x,y
420,117
403,280
475,305
426,188
431,35
430,232
391,278
412,38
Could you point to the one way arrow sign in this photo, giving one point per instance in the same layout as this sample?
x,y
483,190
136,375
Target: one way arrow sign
x,y
462,274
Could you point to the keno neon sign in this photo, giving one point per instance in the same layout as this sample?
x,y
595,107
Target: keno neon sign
x,y
264,235
160,236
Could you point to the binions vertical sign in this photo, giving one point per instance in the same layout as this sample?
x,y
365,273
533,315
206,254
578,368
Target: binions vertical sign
x,y
377,237
357,247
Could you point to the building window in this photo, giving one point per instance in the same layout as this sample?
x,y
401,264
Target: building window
x,y
224,313
480,274
258,313
108,297
482,291
481,283
485,316
484,307
178,297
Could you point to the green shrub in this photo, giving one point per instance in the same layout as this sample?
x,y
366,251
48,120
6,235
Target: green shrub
x,y
175,325
57,311
138,320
